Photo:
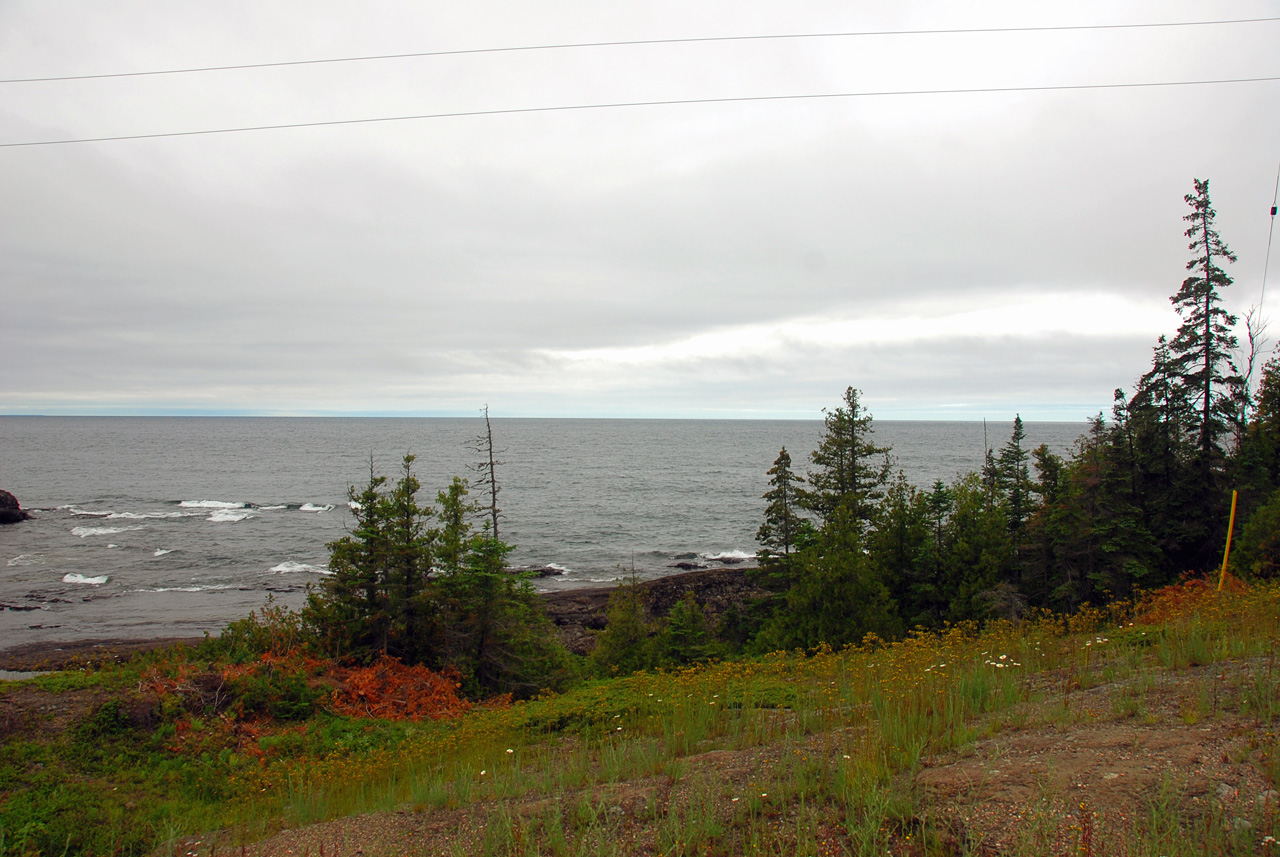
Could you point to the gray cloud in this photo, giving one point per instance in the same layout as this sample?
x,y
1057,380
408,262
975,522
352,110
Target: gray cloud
x,y
651,261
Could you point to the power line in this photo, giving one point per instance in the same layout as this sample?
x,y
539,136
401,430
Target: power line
x,y
1275,196
621,104
634,42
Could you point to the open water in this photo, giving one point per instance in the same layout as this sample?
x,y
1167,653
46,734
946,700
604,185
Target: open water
x,y
156,526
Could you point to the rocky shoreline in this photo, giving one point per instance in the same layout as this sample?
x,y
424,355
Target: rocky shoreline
x,y
576,613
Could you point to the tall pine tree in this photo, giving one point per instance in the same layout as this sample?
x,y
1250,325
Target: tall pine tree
x,y
850,469
1204,342
782,521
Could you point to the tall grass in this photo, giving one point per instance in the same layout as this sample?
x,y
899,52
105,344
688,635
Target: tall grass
x,y
831,739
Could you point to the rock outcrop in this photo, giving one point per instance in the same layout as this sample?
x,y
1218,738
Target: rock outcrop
x,y
578,612
10,511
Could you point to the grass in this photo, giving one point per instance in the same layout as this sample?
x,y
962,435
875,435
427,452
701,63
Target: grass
x,y
793,753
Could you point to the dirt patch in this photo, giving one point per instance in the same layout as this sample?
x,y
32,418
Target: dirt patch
x,y
81,653
1102,771
1091,762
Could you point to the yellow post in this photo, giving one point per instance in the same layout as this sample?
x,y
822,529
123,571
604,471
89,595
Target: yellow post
x,y
1226,553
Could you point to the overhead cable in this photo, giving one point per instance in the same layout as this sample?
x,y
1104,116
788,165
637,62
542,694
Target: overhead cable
x,y
621,104
636,42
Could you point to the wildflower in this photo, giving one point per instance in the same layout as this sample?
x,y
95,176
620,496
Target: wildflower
x,y
482,773
510,751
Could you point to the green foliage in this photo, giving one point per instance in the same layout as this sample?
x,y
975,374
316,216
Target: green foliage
x,y
435,596
783,527
627,644
1256,553
1202,349
838,597
377,599
850,469
686,637
496,633
275,630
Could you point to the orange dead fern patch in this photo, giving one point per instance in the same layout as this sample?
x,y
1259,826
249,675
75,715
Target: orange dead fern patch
x,y
1182,599
389,690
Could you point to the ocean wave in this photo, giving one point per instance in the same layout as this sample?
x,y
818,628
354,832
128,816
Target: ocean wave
x,y
26,559
212,586
311,507
210,504
162,551
291,567
82,532
229,516
271,508
87,513
142,516
739,555
85,579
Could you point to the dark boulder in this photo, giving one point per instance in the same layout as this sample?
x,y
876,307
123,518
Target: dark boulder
x,y
10,511
538,571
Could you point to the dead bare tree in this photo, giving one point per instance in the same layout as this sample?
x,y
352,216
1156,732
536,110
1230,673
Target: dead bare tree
x,y
486,471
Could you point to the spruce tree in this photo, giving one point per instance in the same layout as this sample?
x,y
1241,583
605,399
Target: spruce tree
x,y
782,521
851,469
1202,347
1015,478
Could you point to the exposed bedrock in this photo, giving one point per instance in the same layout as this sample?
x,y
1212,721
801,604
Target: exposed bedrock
x,y
10,511
578,612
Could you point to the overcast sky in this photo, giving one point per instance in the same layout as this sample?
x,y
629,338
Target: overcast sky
x,y
955,256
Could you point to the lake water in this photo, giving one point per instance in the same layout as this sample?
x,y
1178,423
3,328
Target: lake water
x,y
155,526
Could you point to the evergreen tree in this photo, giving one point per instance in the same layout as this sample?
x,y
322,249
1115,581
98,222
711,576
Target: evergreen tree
x,y
928,597
498,635
895,544
782,522
686,636
1015,478
455,527
1202,348
377,599
851,469
979,551
627,642
838,597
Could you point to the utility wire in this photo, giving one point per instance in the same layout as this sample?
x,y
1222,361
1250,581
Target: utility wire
x,y
1275,197
633,42
619,104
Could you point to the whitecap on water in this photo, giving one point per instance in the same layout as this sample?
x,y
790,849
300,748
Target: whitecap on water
x,y
271,508
26,559
210,504
76,510
82,532
291,567
142,516
311,507
228,516
208,588
738,555
162,551
85,579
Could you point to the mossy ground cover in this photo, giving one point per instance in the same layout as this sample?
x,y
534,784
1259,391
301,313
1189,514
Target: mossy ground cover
x,y
1164,712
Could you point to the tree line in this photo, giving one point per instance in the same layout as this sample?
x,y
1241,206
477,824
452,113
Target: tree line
x,y
1143,498
849,547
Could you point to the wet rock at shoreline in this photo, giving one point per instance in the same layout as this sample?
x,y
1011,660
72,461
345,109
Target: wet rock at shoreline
x,y
10,511
576,613
544,571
